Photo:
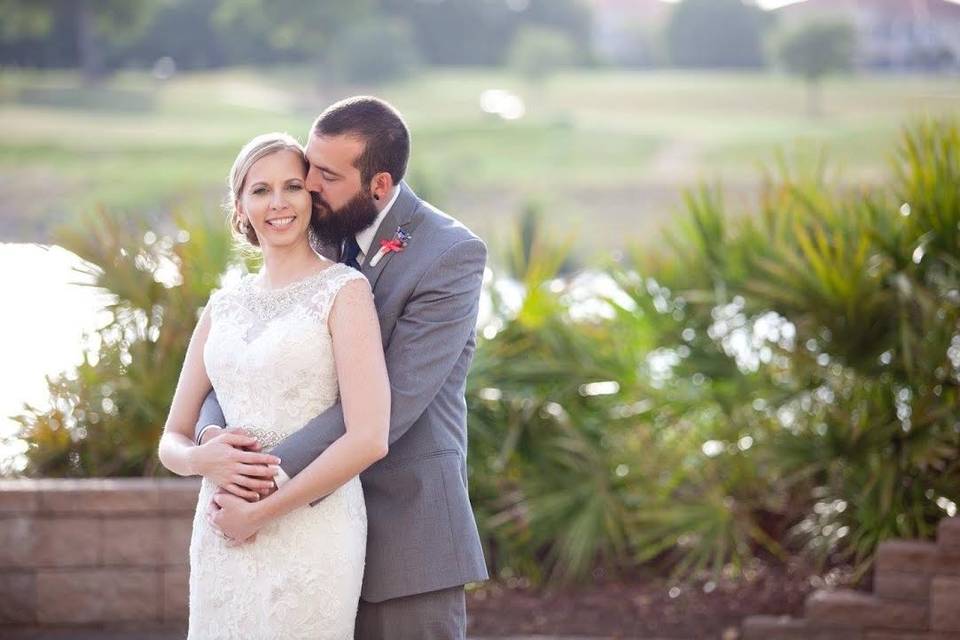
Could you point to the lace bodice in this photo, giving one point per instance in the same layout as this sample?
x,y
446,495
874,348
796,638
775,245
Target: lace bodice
x,y
269,353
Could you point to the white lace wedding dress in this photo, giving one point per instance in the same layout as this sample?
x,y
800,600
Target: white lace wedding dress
x,y
269,356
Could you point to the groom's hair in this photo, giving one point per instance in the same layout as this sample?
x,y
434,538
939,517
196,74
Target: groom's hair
x,y
380,126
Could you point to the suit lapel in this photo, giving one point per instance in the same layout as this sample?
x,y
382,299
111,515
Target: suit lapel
x,y
401,215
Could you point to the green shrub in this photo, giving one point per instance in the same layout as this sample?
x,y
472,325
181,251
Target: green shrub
x,y
772,382
106,419
756,385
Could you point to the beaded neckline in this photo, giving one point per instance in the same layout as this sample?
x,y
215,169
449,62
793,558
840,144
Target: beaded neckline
x,y
267,304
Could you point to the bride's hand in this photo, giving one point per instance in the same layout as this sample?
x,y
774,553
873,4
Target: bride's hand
x,y
236,518
223,460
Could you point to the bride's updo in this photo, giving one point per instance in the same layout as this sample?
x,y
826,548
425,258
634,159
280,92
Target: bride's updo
x,y
260,147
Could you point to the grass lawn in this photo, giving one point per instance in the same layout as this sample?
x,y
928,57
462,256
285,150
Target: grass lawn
x,y
604,152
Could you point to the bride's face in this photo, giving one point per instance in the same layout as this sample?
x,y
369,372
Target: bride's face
x,y
275,201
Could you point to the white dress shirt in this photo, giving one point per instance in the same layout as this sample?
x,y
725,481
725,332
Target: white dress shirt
x,y
365,237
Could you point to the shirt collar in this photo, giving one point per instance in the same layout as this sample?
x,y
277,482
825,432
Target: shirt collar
x,y
365,237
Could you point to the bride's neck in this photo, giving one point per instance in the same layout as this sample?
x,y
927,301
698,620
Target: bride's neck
x,y
283,265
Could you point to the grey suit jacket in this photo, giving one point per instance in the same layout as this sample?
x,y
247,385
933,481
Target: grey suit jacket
x,y
422,535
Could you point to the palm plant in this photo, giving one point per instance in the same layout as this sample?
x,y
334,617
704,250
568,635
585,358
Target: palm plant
x,y
105,419
580,455
865,389
794,370
878,438
719,485
789,377
544,448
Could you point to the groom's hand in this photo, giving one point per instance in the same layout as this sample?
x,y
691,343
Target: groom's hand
x,y
235,519
213,507
212,510
268,491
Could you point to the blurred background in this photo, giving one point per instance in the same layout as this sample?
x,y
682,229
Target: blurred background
x,y
720,319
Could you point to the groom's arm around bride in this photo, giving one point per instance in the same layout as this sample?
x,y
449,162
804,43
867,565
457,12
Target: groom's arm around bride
x,y
423,544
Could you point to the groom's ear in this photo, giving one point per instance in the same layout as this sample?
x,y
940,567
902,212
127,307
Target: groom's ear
x,y
381,186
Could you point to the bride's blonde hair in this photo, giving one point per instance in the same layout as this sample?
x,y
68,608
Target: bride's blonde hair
x,y
258,148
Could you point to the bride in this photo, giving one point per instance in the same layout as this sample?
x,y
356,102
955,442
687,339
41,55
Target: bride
x,y
278,348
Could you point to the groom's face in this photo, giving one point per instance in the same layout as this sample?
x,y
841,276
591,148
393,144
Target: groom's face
x,y
343,204
332,173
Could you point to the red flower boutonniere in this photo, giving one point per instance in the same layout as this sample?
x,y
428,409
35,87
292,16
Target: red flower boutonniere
x,y
397,244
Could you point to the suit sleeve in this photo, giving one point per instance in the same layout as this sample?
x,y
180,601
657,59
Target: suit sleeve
x,y
210,413
428,339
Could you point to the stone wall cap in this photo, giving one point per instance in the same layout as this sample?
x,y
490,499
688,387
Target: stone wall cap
x,y
93,484
98,495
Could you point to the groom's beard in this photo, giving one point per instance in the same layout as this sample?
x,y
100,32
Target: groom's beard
x,y
334,226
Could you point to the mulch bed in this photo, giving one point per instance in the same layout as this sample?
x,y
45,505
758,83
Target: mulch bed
x,y
643,606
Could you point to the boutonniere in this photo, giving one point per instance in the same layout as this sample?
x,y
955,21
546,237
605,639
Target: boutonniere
x,y
396,244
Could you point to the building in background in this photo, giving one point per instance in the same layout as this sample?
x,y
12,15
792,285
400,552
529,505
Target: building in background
x,y
893,35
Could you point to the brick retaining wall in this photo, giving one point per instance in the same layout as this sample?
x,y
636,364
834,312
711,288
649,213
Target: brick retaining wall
x,y
112,553
916,596
95,552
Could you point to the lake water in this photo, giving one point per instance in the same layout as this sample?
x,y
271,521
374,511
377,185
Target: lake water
x,y
45,315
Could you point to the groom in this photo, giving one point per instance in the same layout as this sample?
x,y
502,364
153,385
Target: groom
x,y
425,269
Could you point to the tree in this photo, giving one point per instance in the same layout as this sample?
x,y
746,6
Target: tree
x,y
716,33
24,19
182,30
296,29
539,51
468,32
93,22
356,61
814,50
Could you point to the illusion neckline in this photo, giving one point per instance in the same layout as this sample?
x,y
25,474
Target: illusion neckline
x,y
255,281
